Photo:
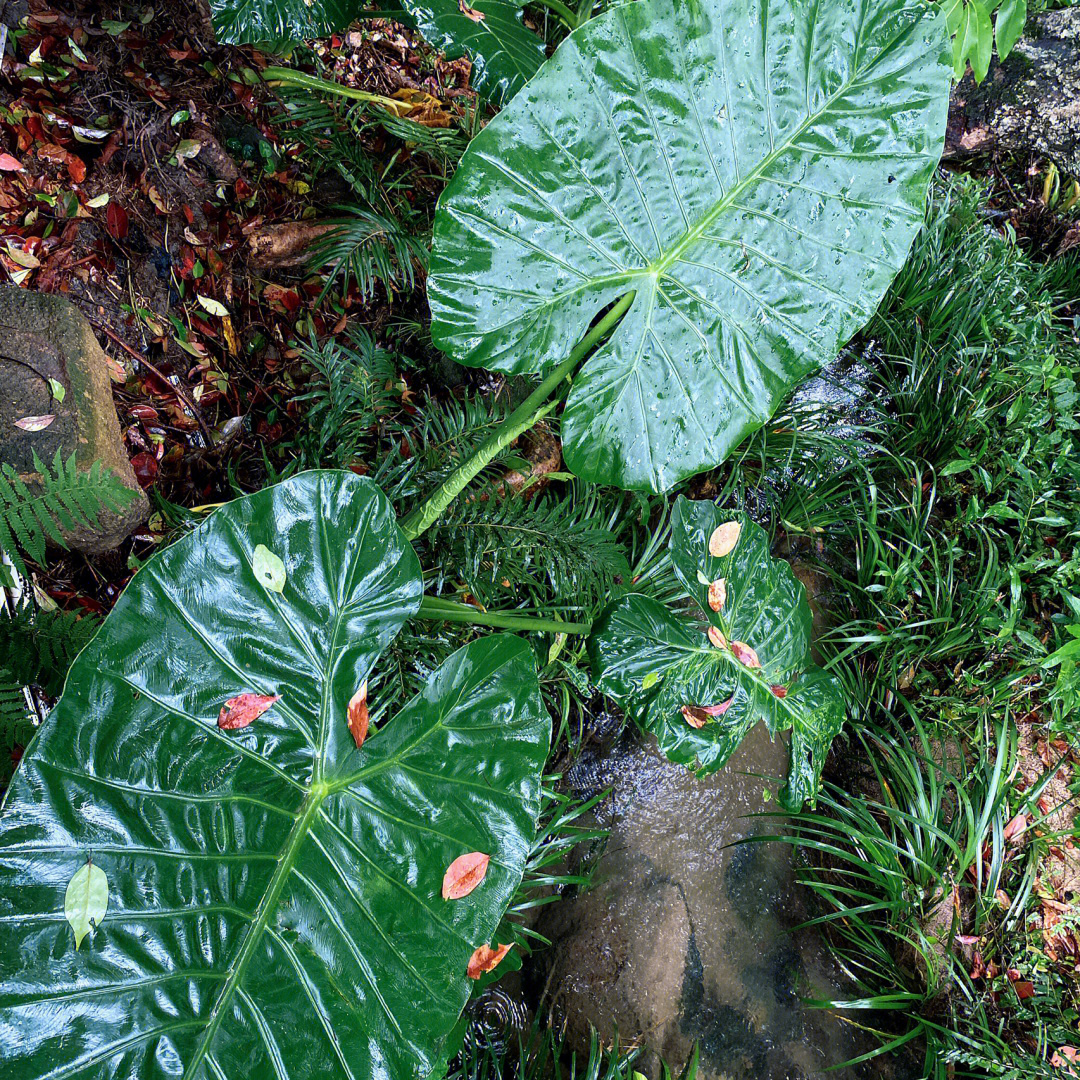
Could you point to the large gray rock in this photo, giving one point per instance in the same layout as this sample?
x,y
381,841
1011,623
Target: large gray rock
x,y
45,337
687,939
1028,103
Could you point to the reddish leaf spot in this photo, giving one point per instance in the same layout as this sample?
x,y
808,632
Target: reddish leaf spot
x,y
718,594
778,690
724,538
717,638
357,715
239,711
485,959
464,874
745,655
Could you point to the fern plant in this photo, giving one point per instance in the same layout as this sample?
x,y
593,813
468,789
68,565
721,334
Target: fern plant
x,y
348,392
16,723
366,248
62,498
507,549
37,647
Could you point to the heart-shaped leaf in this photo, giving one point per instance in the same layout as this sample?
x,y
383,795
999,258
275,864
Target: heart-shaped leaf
x,y
700,684
280,22
274,892
752,170
505,53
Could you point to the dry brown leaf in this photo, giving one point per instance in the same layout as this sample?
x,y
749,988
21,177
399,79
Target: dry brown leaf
x,y
717,638
724,538
464,874
718,594
357,715
470,13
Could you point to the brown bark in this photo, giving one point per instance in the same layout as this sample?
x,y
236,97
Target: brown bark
x,y
1028,104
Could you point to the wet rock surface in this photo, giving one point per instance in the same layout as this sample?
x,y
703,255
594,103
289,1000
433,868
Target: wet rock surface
x,y
687,939
42,338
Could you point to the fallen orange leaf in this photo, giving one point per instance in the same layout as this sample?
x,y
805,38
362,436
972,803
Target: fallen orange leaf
x,y
464,874
357,715
724,538
239,711
485,958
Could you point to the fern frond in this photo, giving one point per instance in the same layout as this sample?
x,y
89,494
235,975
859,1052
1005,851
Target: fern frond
x,y
62,498
348,394
435,442
37,647
16,723
547,549
366,248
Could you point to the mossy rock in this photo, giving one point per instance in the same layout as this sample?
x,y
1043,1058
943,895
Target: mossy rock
x,y
42,338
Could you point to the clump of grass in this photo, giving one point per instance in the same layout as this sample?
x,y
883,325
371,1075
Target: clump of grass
x,y
946,530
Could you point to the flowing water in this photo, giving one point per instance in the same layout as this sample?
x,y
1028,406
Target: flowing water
x,y
687,937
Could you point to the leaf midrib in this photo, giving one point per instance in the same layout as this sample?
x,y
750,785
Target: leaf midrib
x,y
659,266
310,807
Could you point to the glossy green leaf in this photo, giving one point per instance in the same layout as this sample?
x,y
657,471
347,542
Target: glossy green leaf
x,y
86,900
280,22
504,52
984,40
275,900
1009,25
753,170
655,660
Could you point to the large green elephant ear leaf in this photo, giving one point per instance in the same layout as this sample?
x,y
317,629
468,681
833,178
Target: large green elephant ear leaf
x,y
280,22
753,171
274,893
700,683
504,52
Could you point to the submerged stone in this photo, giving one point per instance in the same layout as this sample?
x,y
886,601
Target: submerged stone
x,y
688,936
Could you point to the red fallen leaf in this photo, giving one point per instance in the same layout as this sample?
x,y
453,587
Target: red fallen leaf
x,y
470,13
1015,827
724,538
116,221
778,690
967,939
76,168
717,638
697,715
145,467
10,164
485,959
718,594
745,655
1023,988
357,716
464,874
239,711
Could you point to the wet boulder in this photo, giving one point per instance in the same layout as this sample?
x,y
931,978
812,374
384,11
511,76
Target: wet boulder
x,y
51,365
688,936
